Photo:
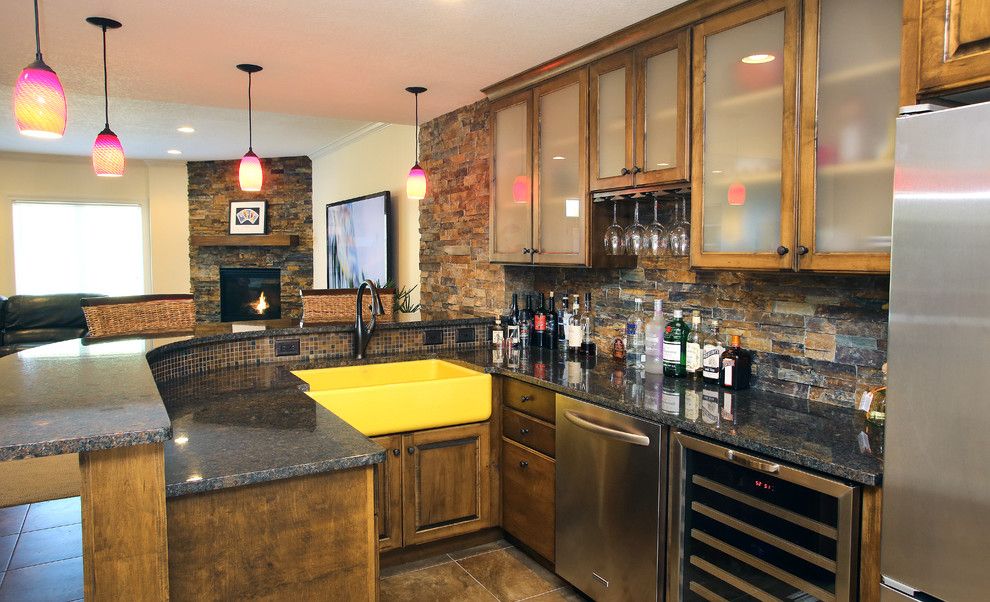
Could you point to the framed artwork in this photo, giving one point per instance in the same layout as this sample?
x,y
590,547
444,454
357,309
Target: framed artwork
x,y
247,217
358,244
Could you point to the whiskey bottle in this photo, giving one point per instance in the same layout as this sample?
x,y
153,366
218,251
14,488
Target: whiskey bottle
x,y
693,355
711,354
675,346
737,366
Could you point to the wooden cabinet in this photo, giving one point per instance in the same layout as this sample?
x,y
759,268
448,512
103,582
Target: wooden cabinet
x,y
743,137
850,84
529,399
954,45
511,207
529,431
388,493
639,117
445,482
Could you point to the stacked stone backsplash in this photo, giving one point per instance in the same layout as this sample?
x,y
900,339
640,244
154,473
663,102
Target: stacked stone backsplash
x,y
288,190
815,336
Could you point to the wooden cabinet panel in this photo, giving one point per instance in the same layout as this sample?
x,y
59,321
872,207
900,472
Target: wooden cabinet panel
x,y
529,399
511,206
529,431
388,493
612,114
445,480
663,121
528,485
955,45
744,126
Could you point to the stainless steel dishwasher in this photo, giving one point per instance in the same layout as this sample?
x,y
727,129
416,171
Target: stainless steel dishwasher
x,y
610,502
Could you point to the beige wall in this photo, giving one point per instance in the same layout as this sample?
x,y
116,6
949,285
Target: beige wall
x,y
160,188
377,161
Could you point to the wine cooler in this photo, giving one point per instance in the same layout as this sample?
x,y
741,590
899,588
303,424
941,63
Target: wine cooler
x,y
747,528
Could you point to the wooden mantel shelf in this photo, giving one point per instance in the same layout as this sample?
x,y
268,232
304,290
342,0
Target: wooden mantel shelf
x,y
245,240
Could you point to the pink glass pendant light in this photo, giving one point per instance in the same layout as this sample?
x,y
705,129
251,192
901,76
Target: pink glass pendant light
x,y
39,101
250,174
108,152
416,180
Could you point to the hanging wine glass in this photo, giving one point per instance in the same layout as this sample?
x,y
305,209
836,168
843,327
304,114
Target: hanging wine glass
x,y
635,234
614,235
680,234
657,240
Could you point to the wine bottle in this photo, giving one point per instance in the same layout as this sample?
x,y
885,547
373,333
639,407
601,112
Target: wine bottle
x,y
575,335
588,346
540,323
550,337
562,320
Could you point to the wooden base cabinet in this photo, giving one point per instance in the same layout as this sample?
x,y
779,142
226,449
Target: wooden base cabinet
x,y
434,484
528,510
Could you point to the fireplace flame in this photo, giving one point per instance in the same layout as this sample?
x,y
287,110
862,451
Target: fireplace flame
x,y
261,304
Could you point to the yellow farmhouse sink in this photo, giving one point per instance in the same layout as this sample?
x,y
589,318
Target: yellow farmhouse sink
x,y
380,399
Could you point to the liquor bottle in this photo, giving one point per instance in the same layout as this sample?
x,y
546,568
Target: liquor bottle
x,y
693,356
653,347
526,322
711,354
588,346
737,366
512,322
675,346
562,320
497,333
540,323
550,337
575,335
635,336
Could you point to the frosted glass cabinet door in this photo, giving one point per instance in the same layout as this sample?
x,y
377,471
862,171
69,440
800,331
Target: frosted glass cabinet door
x,y
662,106
612,95
561,210
511,234
850,90
743,171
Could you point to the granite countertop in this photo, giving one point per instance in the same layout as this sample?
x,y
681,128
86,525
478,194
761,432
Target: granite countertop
x,y
66,397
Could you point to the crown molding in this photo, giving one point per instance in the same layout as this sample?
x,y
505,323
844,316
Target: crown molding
x,y
348,139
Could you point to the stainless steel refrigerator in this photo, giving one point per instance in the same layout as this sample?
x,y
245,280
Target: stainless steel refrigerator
x,y
935,538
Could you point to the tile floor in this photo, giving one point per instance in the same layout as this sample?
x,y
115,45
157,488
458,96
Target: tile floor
x,y
41,552
495,571
41,561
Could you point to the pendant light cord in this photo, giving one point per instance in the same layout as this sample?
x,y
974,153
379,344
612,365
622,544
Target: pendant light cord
x,y
417,128
37,34
250,133
106,93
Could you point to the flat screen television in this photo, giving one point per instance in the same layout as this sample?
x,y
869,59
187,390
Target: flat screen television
x,y
358,241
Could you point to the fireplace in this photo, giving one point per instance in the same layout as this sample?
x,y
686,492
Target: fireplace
x,y
250,294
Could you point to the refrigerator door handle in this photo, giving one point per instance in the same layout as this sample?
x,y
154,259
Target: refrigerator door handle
x,y
625,437
751,462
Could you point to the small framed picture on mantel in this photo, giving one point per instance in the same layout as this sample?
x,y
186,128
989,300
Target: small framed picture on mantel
x,y
247,217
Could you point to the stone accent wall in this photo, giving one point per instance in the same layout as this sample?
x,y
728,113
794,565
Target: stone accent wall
x,y
815,336
288,189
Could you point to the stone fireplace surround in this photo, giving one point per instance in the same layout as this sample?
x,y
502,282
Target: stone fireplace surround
x,y
288,190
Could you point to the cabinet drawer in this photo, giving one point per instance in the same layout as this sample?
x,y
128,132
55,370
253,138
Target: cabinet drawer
x,y
535,401
529,431
528,480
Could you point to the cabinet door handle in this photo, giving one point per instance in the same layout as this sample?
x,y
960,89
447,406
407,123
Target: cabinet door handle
x,y
534,251
523,463
782,250
411,450
624,172
396,452
637,169
802,250
526,251
524,431
525,398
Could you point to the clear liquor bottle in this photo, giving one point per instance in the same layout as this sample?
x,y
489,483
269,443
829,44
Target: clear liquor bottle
x,y
575,334
653,345
693,348
588,346
636,336
711,354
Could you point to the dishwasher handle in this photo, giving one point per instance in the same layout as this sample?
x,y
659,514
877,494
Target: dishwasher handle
x,y
625,437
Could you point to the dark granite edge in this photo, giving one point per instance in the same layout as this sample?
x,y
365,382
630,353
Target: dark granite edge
x,y
831,468
56,447
274,474
194,341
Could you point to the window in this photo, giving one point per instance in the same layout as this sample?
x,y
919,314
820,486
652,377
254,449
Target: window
x,y
68,247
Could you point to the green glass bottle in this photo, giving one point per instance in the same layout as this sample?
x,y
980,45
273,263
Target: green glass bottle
x,y
675,337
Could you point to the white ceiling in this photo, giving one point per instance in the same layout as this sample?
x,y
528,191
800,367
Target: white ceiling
x,y
332,67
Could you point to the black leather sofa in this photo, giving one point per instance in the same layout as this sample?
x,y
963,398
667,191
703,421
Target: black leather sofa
x,y
32,320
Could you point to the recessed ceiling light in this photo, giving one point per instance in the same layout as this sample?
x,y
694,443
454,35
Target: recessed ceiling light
x,y
186,129
757,59
174,151
558,158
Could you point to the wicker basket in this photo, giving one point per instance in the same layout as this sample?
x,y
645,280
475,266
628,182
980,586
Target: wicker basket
x,y
142,314
336,305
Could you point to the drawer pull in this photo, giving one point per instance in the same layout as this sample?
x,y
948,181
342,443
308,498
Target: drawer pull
x,y
524,431
396,452
525,398
411,450
523,463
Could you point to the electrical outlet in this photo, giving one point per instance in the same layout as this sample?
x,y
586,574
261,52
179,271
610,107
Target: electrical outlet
x,y
286,347
432,337
465,335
